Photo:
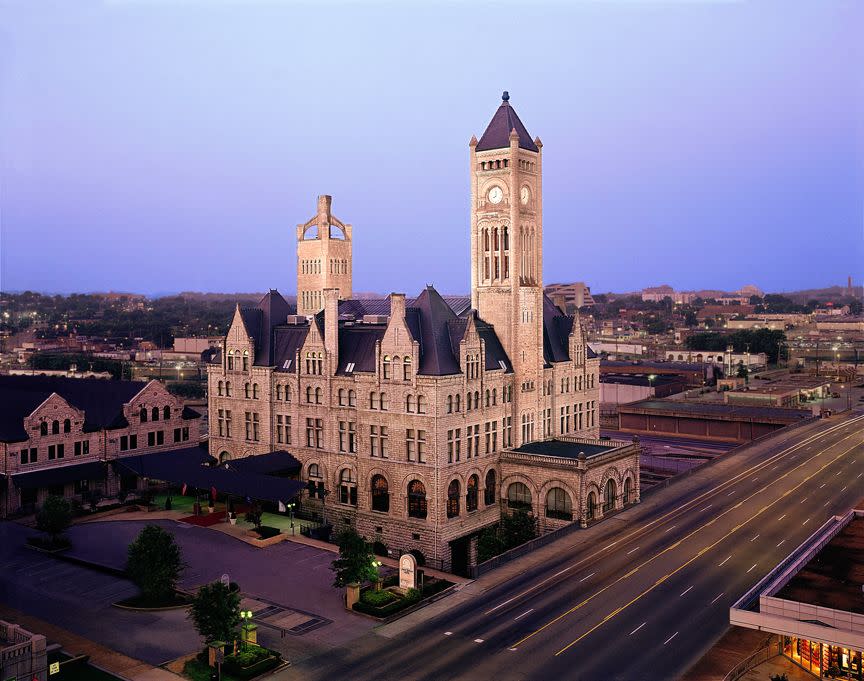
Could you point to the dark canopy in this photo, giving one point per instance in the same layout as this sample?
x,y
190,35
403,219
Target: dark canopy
x,y
273,462
60,475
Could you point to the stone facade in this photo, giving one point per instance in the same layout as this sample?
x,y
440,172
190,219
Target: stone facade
x,y
58,434
405,422
323,258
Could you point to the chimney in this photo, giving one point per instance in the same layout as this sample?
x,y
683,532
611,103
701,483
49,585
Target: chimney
x,y
397,306
331,324
324,203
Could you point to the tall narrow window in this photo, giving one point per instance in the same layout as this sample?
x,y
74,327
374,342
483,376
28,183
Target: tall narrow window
x,y
453,499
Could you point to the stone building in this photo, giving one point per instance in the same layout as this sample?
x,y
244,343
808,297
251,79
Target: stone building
x,y
59,435
419,420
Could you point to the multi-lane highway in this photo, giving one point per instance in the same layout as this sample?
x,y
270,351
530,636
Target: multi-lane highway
x,y
641,595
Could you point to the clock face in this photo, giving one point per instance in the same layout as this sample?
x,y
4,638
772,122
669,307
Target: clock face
x,y
496,194
525,195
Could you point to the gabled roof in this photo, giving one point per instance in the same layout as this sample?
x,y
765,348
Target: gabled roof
x,y
287,340
101,400
436,349
357,347
557,328
497,135
260,322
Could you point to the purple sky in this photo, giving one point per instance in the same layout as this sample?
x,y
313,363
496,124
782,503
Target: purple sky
x,y
161,146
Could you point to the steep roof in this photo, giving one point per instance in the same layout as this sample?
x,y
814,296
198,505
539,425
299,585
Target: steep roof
x,y
274,310
557,328
101,400
436,350
497,135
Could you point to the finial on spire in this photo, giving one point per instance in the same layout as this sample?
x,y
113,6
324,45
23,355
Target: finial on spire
x,y
505,97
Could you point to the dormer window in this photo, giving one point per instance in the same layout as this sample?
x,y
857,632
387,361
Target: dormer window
x,y
386,368
230,360
245,360
406,369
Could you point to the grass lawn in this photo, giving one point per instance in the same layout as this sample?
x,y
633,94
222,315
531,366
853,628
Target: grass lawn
x,y
186,504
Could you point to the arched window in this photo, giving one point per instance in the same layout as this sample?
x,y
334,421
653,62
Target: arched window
x,y
373,401
449,404
491,488
421,404
221,388
417,506
628,491
558,504
471,493
409,404
458,406
224,456
519,496
341,397
55,427
154,414
591,506
476,399
494,396
380,494
352,398
245,360
468,402
314,470
453,499
67,425
385,403
308,394
488,397
230,360
166,412
406,369
246,391
318,394
43,428
386,367
609,496
278,391
227,388
254,391
347,487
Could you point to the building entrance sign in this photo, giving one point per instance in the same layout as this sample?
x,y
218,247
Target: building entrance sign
x,y
407,572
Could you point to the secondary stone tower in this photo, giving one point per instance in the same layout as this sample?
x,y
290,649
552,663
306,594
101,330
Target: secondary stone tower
x,y
507,253
323,258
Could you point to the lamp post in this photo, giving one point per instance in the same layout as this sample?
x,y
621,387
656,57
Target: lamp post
x,y
377,564
247,626
291,511
651,378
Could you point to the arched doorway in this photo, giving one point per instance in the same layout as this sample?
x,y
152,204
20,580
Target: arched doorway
x,y
609,496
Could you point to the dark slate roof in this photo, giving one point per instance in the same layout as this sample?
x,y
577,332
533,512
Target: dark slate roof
x,y
287,340
357,346
495,353
272,462
101,400
497,135
436,350
61,475
274,311
189,414
564,450
381,306
557,327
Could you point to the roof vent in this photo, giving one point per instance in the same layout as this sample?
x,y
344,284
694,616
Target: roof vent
x,y
502,365
295,319
375,318
349,368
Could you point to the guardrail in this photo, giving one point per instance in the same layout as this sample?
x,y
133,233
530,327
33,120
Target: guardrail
x,y
772,650
482,568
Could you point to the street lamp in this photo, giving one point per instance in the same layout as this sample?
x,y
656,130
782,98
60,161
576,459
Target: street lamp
x,y
246,618
377,564
291,511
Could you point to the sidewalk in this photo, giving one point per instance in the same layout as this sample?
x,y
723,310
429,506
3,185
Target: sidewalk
x,y
110,660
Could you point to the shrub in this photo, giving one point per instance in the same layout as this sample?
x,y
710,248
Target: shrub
x,y
265,531
377,598
154,563
215,612
355,559
54,517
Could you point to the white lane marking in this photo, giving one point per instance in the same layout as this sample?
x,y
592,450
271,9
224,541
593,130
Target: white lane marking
x,y
844,489
478,640
588,577
781,517
822,485
719,596
632,550
859,475
806,521
725,560
782,541
448,633
825,504
674,526
755,538
754,479
838,473
803,500
706,508
685,591
773,467
638,628
512,650
523,614
731,493
751,568
670,638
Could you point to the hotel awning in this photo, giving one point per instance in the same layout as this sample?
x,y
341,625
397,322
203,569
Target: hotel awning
x,y
60,475
272,462
186,467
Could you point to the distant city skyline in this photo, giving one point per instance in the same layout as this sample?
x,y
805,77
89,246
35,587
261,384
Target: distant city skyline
x,y
175,146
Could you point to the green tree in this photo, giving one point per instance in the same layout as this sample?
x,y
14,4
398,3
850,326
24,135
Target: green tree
x,y
253,515
154,563
215,612
514,529
743,372
54,517
356,560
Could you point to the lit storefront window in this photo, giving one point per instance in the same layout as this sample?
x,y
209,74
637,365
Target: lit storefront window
x,y
824,660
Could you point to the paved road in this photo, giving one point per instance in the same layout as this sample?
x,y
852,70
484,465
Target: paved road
x,y
650,592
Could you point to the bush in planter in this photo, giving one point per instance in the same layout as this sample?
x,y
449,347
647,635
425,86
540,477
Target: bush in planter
x,y
377,598
154,563
253,515
54,518
265,531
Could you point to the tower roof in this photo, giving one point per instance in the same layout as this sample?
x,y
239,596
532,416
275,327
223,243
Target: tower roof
x,y
497,135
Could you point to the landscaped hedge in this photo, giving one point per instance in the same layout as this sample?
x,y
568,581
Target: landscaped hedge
x,y
251,661
265,531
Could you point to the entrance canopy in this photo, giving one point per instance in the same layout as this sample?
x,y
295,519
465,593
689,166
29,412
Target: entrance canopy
x,y
60,475
189,467
268,464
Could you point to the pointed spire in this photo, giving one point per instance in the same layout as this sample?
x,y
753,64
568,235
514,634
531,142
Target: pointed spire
x,y
473,142
514,135
538,143
505,120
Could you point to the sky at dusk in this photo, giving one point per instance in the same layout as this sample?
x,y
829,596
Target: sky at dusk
x,y
161,146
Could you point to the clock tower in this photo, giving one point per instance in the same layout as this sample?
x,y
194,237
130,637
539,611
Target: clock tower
x,y
507,254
